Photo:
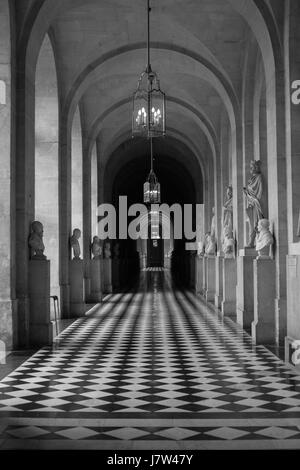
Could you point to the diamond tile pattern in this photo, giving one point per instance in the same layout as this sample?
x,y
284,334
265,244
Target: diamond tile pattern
x,y
156,352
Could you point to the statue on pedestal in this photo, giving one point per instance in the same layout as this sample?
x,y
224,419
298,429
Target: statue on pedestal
x,y
200,248
264,238
228,242
210,244
96,248
36,241
253,193
107,250
74,242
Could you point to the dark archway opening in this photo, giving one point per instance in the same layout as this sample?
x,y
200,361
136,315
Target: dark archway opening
x,y
174,170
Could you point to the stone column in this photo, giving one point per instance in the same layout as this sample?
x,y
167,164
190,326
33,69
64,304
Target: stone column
x,y
77,294
192,270
96,280
244,288
9,318
107,276
210,278
40,325
115,268
264,279
219,280
199,268
229,274
204,269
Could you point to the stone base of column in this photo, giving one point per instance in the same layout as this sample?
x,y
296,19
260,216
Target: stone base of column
x,y
87,288
244,288
210,278
192,271
219,280
107,276
40,325
96,282
199,267
229,274
293,292
263,327
116,273
77,294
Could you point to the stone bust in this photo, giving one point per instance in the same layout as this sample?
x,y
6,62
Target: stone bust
x,y
210,244
264,239
96,248
74,242
36,241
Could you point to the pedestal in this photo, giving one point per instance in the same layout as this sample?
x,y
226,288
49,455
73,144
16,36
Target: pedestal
x,y
40,326
293,298
244,288
219,280
210,266
229,274
263,326
96,288
199,274
77,294
116,273
107,276
192,270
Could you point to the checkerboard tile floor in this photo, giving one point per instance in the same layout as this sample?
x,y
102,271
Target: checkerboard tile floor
x,y
154,366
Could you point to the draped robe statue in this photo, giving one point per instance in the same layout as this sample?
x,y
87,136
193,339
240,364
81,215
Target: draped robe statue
x,y
227,225
74,242
253,193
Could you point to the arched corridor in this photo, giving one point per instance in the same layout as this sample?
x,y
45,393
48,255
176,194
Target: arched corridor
x,y
149,224
152,367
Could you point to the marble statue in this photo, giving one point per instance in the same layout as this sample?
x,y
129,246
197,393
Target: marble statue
x,y
228,242
210,244
74,242
96,248
253,193
107,250
264,238
36,241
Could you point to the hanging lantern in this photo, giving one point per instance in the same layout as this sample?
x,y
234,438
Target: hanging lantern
x,y
149,102
148,116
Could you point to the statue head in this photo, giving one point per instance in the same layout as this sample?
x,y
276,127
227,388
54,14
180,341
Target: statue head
x,y
96,239
263,225
37,227
255,167
77,233
229,192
